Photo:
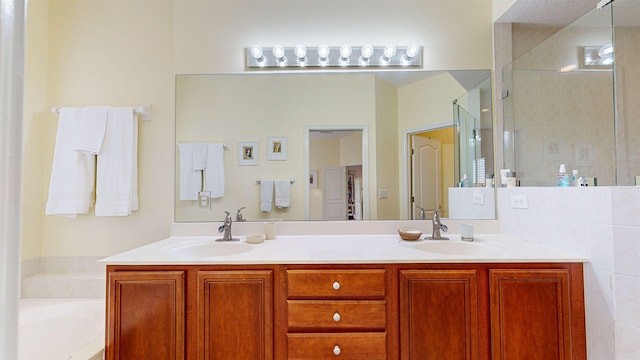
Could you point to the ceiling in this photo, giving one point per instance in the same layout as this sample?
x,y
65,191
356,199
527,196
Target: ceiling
x,y
547,12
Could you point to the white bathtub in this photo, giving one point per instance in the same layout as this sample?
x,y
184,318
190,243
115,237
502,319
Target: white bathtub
x,y
61,329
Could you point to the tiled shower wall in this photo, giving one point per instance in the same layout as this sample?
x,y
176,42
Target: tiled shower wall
x,y
602,223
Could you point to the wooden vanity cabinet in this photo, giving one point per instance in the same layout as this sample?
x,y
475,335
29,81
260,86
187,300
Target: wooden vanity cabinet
x,y
467,311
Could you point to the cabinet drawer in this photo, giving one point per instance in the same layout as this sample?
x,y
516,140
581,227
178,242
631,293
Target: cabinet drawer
x,y
336,283
344,346
336,314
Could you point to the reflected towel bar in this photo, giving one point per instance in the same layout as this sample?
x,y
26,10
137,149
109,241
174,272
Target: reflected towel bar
x,y
144,111
292,180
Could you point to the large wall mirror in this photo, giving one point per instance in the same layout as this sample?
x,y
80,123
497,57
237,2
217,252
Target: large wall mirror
x,y
334,146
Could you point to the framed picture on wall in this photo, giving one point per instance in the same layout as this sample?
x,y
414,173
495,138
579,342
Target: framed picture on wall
x,y
313,179
276,148
247,153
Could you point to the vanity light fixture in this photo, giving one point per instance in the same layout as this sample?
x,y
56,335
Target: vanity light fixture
x,y
280,57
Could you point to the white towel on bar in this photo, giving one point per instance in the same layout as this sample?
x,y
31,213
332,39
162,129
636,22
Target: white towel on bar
x,y
214,171
117,172
190,179
266,195
72,173
200,156
283,193
90,134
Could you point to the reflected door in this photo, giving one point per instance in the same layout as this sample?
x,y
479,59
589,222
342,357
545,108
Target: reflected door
x,y
426,173
335,192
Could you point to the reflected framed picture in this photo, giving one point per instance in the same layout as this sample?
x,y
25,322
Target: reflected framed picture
x,y
313,179
247,153
277,148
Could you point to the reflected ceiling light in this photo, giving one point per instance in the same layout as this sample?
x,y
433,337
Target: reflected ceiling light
x,y
597,57
325,56
605,50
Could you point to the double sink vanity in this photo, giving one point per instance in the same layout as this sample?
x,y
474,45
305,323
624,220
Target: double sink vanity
x,y
345,297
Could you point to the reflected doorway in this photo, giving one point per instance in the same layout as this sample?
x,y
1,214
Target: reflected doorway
x,y
431,170
336,163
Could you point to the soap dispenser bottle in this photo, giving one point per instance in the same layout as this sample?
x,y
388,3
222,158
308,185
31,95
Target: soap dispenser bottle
x,y
563,177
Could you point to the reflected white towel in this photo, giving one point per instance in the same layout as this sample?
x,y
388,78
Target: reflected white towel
x,y
90,134
190,179
214,171
266,195
117,172
200,156
72,173
283,193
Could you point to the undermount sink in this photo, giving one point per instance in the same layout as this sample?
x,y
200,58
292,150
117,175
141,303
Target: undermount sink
x,y
203,248
450,247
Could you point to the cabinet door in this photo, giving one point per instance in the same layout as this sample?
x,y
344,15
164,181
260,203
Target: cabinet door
x,y
145,315
530,314
438,314
235,316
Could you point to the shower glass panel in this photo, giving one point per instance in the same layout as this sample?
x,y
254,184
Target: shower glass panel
x,y
471,165
559,104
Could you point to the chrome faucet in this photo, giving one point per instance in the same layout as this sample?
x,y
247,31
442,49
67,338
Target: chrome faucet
x,y
423,213
437,226
239,217
226,228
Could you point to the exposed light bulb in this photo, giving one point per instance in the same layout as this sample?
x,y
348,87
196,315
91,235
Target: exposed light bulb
x,y
256,53
300,51
278,52
366,52
323,52
389,52
345,51
412,51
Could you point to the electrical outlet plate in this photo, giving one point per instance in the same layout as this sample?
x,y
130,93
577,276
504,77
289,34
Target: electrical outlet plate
x,y
478,198
204,200
519,202
383,194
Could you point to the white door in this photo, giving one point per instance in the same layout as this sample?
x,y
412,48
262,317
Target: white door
x,y
335,193
426,177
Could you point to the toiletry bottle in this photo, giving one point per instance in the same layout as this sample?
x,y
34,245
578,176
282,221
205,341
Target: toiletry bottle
x,y
511,179
488,182
574,178
563,177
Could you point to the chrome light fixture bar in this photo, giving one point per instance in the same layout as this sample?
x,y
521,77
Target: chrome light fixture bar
x,y
345,56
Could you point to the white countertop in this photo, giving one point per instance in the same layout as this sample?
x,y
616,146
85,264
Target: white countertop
x,y
337,249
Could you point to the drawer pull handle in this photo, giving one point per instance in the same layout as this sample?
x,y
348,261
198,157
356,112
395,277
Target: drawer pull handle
x,y
336,316
336,350
336,285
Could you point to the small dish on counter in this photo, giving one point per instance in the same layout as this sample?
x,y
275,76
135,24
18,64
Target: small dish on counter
x,y
255,238
409,234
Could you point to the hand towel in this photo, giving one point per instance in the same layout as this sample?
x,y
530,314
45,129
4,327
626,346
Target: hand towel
x,y
283,193
72,173
200,156
117,169
90,134
214,171
190,179
266,195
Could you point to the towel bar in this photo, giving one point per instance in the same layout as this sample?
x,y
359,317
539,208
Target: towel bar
x,y
292,180
144,111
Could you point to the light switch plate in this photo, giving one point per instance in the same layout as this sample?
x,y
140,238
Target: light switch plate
x,y
383,194
519,202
